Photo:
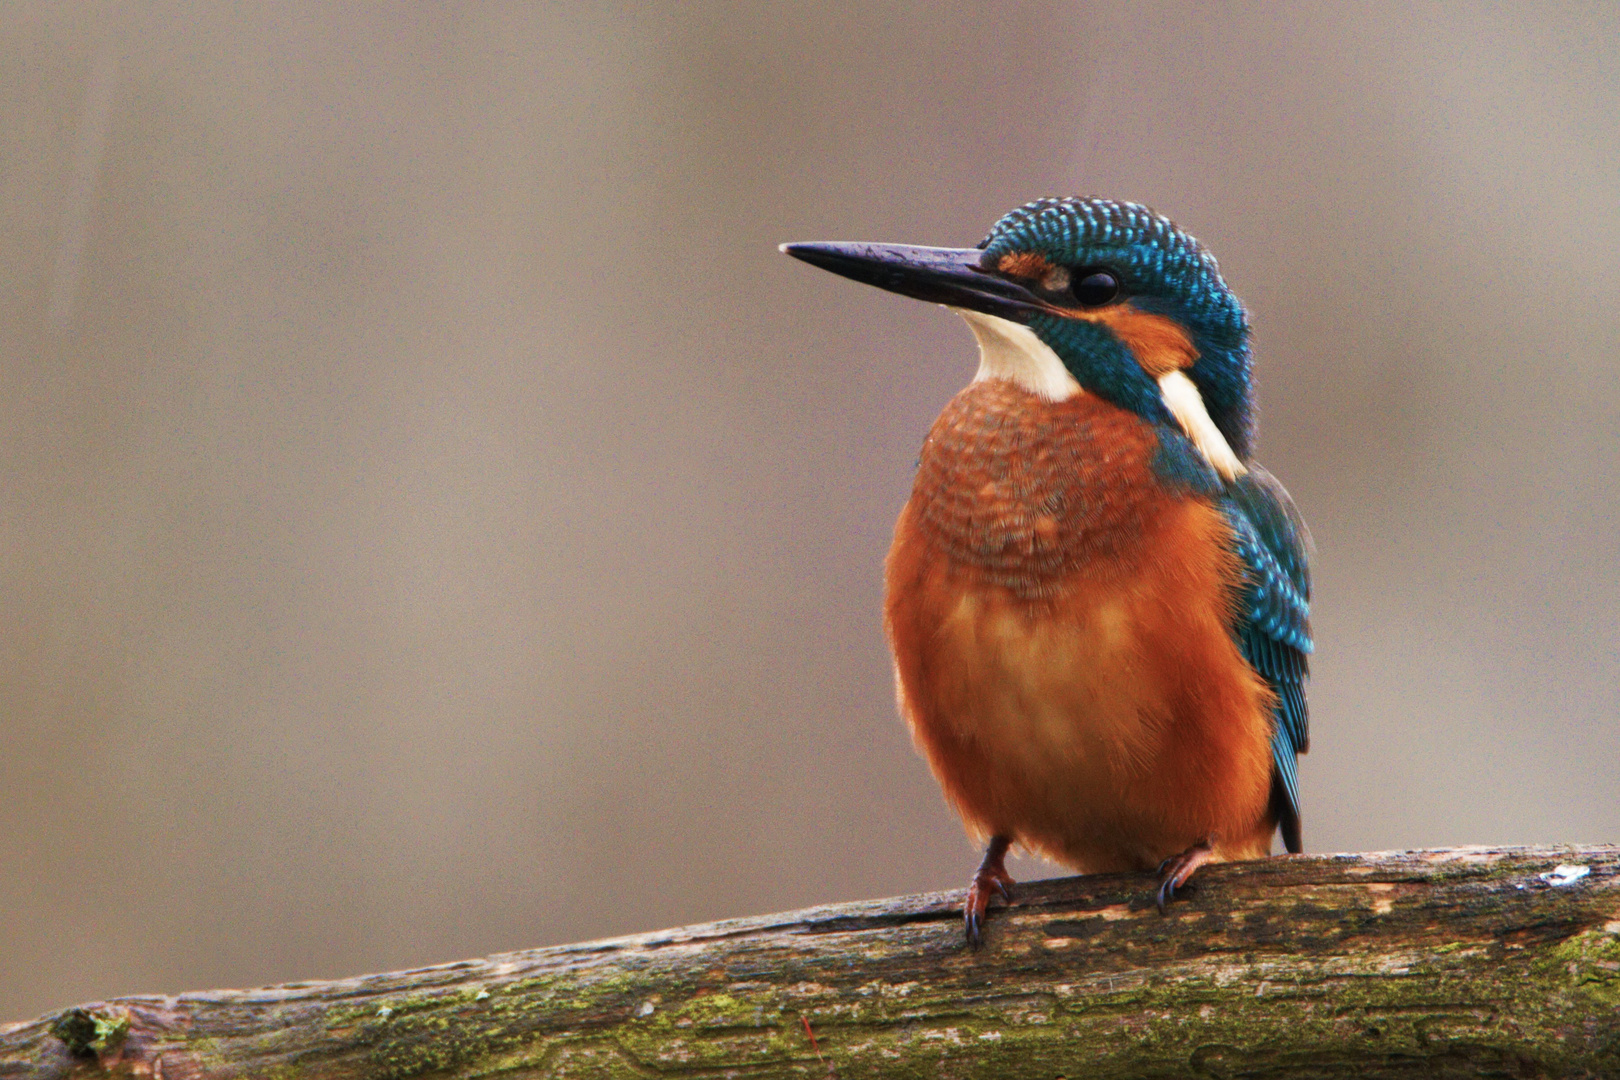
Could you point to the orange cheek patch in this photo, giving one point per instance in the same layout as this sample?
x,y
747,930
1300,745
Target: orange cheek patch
x,y
1158,342
1024,264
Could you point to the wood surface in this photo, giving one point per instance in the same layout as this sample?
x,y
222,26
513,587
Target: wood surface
x,y
1466,963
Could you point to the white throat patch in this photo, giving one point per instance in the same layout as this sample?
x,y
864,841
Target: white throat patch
x,y
1013,352
1010,351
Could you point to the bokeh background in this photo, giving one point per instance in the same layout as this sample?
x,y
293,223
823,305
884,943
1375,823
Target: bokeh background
x,y
437,521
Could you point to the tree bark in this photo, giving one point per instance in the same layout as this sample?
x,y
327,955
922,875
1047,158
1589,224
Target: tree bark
x,y
1470,962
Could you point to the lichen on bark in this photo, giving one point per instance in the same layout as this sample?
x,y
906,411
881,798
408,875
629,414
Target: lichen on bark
x,y
1475,962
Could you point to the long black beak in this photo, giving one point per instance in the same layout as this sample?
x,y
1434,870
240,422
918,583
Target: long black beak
x,y
952,276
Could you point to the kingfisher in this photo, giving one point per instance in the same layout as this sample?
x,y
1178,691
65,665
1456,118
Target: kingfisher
x,y
1097,602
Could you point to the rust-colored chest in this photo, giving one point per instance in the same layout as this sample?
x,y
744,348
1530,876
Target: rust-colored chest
x,y
1028,493
1061,629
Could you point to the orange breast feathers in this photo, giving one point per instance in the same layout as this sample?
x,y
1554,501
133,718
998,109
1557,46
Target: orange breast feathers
x,y
1060,627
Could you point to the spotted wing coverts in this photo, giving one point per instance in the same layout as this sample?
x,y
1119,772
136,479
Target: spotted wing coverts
x,y
1273,624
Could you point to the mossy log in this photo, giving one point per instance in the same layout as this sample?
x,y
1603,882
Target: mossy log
x,y
1470,962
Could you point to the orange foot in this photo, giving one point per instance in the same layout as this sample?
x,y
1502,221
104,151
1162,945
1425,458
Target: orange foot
x,y
992,874
1174,871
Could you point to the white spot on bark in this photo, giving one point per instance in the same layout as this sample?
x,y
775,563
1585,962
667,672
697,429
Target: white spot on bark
x,y
1564,874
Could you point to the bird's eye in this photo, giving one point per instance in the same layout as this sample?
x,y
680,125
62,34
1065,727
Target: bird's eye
x,y
1094,288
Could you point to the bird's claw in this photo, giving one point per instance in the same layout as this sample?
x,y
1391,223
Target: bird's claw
x,y
978,901
1174,871
975,924
991,875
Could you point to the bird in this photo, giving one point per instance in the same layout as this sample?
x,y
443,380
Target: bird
x,y
1097,602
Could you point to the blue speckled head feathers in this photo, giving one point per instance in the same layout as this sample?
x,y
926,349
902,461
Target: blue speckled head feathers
x,y
1162,270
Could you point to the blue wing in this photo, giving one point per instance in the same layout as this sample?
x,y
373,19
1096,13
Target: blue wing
x,y
1273,625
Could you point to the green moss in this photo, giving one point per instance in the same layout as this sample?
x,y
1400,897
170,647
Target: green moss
x,y
1464,1007
88,1033
1163,1026
712,1029
415,1034
1590,962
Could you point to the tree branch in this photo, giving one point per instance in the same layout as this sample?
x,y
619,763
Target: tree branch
x,y
1472,962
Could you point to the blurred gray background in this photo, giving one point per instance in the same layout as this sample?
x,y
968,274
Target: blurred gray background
x,y
437,521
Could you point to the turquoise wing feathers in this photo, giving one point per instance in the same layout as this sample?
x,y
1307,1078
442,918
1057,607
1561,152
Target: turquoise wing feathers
x,y
1273,621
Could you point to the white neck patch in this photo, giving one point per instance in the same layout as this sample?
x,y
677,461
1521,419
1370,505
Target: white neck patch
x,y
1010,351
1186,404
1013,352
